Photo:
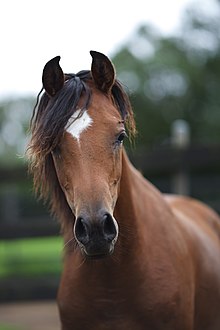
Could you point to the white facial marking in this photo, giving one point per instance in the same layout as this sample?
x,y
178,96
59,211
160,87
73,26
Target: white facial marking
x,y
76,126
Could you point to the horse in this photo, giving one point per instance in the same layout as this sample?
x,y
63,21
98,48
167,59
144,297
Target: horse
x,y
135,259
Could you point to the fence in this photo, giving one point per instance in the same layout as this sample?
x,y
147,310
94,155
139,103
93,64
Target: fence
x,y
22,216
196,168
199,165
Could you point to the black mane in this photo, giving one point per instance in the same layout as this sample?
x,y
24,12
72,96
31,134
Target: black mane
x,y
51,114
50,117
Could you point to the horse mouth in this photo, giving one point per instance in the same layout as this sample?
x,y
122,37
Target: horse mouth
x,y
93,254
96,256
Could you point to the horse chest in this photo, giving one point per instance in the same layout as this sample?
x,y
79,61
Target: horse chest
x,y
117,317
114,308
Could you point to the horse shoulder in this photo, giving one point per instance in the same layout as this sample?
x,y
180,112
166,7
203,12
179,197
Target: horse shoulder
x,y
196,212
200,227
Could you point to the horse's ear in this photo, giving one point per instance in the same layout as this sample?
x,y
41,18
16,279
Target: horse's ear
x,y
53,77
103,71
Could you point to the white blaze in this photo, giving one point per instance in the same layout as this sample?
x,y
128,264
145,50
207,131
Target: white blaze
x,y
76,126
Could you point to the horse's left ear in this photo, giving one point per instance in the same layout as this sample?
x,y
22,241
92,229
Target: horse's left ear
x,y
53,77
103,71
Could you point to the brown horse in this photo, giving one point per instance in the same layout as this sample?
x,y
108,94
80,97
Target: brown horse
x,y
135,259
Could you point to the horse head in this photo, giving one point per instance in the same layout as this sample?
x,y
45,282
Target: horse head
x,y
87,157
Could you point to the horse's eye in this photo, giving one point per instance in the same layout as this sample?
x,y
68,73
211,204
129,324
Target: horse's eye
x,y
121,138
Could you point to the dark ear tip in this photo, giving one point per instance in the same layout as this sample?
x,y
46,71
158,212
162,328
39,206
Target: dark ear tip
x,y
96,54
92,52
52,77
55,60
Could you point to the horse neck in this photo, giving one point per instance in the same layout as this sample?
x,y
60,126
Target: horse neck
x,y
126,210
125,204
139,209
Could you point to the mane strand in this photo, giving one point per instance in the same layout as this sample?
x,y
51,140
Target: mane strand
x,y
48,122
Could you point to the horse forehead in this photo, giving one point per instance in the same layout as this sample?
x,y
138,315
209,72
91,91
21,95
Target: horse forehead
x,y
80,121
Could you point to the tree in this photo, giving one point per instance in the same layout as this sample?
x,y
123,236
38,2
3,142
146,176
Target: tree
x,y
175,77
14,121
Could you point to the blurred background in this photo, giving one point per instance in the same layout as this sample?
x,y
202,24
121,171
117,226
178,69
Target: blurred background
x,y
167,54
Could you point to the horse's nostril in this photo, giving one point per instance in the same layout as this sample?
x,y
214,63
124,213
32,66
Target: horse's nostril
x,y
96,233
81,230
109,228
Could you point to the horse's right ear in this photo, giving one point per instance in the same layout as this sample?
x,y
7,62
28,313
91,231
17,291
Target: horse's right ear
x,y
103,71
53,77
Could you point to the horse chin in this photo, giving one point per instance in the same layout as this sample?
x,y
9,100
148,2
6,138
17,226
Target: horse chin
x,y
93,254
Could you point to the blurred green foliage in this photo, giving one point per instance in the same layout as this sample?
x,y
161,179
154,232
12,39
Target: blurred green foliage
x,y
30,257
14,122
168,78
173,78
8,327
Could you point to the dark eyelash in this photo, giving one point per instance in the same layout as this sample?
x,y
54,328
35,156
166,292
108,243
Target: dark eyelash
x,y
120,138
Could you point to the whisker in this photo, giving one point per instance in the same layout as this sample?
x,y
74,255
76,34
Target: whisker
x,y
115,258
81,263
71,240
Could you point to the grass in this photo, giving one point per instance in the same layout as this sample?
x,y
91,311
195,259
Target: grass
x,y
30,257
8,327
